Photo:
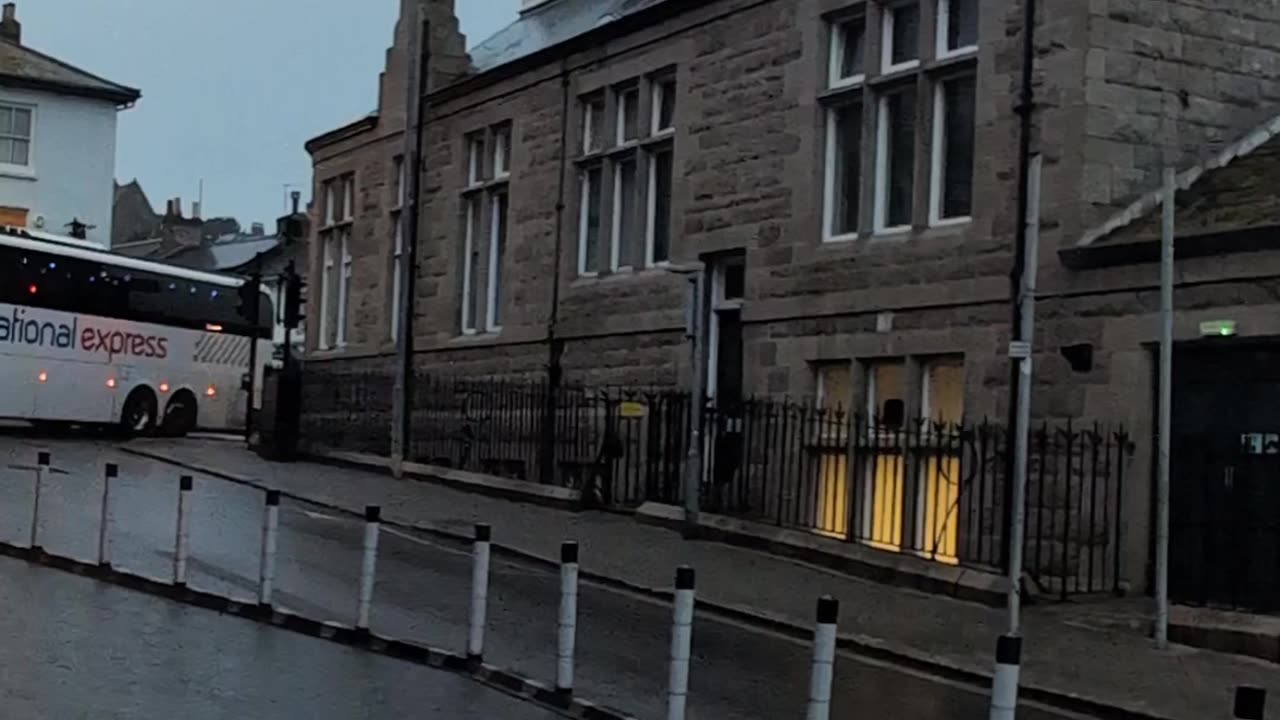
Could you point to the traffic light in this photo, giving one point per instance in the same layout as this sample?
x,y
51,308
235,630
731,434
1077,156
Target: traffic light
x,y
293,285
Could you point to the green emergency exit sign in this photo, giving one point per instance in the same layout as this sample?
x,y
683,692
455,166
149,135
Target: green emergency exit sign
x,y
1218,328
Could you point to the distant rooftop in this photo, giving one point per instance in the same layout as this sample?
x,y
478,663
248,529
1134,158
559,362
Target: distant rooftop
x,y
24,67
550,24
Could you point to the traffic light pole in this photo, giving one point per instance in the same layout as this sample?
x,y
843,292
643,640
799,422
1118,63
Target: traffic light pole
x,y
255,281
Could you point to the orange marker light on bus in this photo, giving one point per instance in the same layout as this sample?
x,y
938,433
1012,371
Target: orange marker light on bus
x,y
111,383
33,289
213,327
211,391
164,387
43,377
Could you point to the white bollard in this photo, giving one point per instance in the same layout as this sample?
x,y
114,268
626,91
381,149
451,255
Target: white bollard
x,y
42,466
369,566
824,659
479,592
267,563
182,542
1251,703
681,645
104,522
1004,686
568,623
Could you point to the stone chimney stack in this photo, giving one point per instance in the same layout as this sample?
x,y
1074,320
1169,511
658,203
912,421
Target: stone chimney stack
x,y
10,28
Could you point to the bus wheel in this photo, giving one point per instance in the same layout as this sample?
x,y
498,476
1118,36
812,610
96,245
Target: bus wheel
x,y
179,415
139,416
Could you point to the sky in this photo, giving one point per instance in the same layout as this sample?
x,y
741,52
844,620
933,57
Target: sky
x,y
231,89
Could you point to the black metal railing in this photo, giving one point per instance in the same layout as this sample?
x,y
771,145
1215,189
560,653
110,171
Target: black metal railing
x,y
932,489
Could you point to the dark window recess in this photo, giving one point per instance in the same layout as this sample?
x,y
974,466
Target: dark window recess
x,y
662,206
959,98
962,24
499,253
902,146
906,33
848,169
735,281
666,103
853,35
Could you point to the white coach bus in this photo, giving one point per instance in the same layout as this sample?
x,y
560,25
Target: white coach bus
x,y
90,337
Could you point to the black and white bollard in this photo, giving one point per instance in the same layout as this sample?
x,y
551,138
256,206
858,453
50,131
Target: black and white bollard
x,y
42,466
1251,702
479,592
104,521
681,645
824,659
1004,686
267,563
567,626
369,565
182,541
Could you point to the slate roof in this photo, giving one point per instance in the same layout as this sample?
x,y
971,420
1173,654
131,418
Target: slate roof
x,y
21,66
1236,189
544,27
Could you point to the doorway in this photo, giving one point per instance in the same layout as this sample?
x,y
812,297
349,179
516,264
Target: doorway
x,y
1225,476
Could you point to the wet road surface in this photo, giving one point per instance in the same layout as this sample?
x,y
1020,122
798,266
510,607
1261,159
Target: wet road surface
x,y
75,648
422,593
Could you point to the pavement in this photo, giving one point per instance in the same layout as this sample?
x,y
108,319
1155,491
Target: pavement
x,y
934,646
79,648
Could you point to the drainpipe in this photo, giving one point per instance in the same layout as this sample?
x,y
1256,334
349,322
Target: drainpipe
x,y
1026,112
555,348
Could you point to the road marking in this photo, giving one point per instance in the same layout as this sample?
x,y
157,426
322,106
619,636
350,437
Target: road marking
x,y
321,516
424,542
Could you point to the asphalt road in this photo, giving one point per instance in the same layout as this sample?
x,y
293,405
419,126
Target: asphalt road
x,y
422,593
78,649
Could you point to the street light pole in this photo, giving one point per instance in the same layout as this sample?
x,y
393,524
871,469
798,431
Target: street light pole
x,y
697,388
1166,403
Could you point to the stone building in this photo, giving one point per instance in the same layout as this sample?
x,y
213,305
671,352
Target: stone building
x,y
845,171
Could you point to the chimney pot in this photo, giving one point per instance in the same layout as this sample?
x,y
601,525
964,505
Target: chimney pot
x,y
195,210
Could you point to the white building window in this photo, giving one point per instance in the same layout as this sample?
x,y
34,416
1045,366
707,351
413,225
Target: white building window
x,y
397,268
349,198
848,49
470,263
328,266
900,41
842,186
895,159
502,151
593,124
344,287
497,257
16,123
627,126
475,159
957,27
331,199
658,228
951,191
590,180
664,106
625,218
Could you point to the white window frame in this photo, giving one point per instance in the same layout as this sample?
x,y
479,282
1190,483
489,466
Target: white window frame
x,y
584,219
501,149
495,273
326,287
886,40
651,211
344,287
349,198
821,391
330,202
468,322
620,95
937,162
836,59
719,304
475,159
615,236
589,108
397,259
881,209
30,168
944,30
829,182
655,115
